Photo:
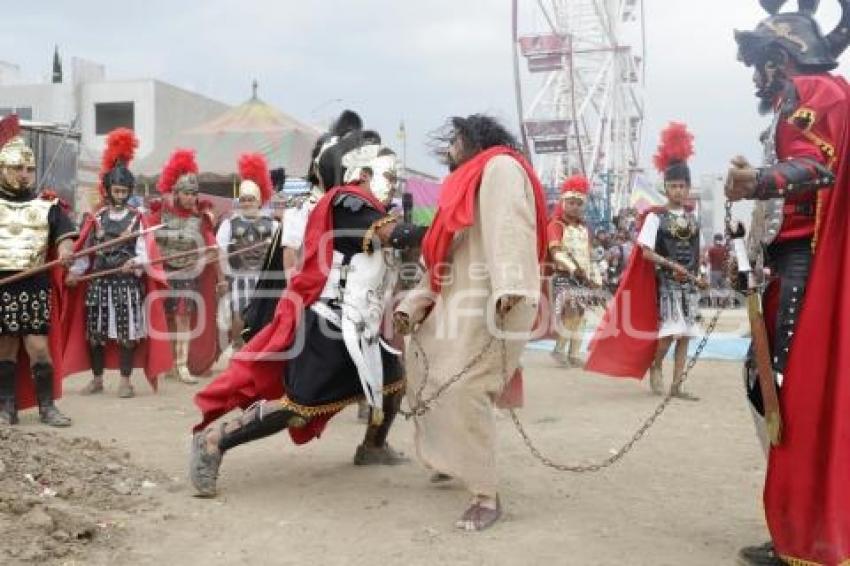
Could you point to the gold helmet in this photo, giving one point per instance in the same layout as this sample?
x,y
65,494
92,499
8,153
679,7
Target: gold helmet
x,y
17,153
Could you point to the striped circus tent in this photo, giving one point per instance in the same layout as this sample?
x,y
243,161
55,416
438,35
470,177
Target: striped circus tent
x,y
254,126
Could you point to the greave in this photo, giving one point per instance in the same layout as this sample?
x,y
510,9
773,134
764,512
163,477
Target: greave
x,y
8,401
43,375
258,424
97,354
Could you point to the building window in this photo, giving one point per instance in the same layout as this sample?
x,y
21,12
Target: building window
x,y
23,112
111,115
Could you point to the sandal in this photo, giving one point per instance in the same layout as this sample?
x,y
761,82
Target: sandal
x,y
479,517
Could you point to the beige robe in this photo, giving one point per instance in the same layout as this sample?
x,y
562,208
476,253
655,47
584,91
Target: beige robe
x,y
495,257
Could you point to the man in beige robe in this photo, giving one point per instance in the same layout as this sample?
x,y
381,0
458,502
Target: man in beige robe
x,y
490,290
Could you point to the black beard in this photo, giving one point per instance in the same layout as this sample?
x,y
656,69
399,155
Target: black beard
x,y
768,93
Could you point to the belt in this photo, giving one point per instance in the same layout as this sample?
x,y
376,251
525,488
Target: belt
x,y
799,208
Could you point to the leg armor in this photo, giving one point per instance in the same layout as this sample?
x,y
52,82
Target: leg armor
x,y
258,422
8,403
97,354
50,415
126,352
791,262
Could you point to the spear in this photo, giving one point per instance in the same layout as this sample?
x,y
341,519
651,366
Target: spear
x,y
82,253
116,270
181,255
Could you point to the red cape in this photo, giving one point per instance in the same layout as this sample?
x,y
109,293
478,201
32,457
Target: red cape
x,y
807,492
625,342
153,354
204,348
256,371
456,209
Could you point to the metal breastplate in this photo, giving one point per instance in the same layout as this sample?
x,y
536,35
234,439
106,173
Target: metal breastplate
x,y
109,229
369,280
677,237
245,232
24,233
767,214
575,242
179,235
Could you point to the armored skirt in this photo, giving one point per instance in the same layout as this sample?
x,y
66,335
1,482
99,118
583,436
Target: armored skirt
x,y
115,310
320,376
674,235
25,306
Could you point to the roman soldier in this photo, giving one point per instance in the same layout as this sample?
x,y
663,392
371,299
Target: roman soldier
x,y
33,227
187,243
797,375
657,302
246,228
576,276
120,302
324,348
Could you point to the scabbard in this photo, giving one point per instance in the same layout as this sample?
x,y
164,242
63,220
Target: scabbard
x,y
764,369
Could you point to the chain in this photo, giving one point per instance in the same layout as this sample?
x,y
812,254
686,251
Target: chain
x,y
421,406
647,424
636,437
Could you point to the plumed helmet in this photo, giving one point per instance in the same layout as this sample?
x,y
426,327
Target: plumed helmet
x,y
121,145
676,147
575,186
180,173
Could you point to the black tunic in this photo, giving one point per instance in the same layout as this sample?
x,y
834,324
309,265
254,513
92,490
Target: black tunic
x,y
320,376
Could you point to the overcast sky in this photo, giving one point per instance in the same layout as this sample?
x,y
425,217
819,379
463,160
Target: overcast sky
x,y
420,61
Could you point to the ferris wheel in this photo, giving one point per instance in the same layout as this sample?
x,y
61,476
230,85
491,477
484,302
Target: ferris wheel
x,y
579,74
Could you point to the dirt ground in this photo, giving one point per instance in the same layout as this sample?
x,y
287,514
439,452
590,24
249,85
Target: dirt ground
x,y
688,494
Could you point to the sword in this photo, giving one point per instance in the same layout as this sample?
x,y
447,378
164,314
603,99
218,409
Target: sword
x,y
761,345
674,266
76,255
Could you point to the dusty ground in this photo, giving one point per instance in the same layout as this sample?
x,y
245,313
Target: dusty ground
x,y
688,494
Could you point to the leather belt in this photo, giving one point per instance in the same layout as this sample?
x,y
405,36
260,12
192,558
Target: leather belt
x,y
799,208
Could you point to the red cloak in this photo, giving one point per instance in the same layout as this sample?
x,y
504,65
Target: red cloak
x,y
625,342
203,348
807,491
153,353
256,371
456,209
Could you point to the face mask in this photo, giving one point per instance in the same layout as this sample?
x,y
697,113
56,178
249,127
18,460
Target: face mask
x,y
384,177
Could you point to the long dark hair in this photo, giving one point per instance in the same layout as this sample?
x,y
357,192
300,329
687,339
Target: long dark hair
x,y
478,132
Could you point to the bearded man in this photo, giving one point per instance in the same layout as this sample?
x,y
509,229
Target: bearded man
x,y
478,297
797,377
32,226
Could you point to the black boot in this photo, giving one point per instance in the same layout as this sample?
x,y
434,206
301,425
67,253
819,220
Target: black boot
x,y
762,555
374,449
8,404
49,414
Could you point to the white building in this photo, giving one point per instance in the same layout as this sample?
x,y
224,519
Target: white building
x,y
155,110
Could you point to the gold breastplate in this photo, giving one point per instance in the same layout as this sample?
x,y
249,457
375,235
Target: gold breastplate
x,y
575,241
24,233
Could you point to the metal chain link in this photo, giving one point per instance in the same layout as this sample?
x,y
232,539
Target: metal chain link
x,y
421,406
637,436
647,424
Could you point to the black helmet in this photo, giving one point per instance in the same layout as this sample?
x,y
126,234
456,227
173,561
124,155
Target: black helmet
x,y
798,35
